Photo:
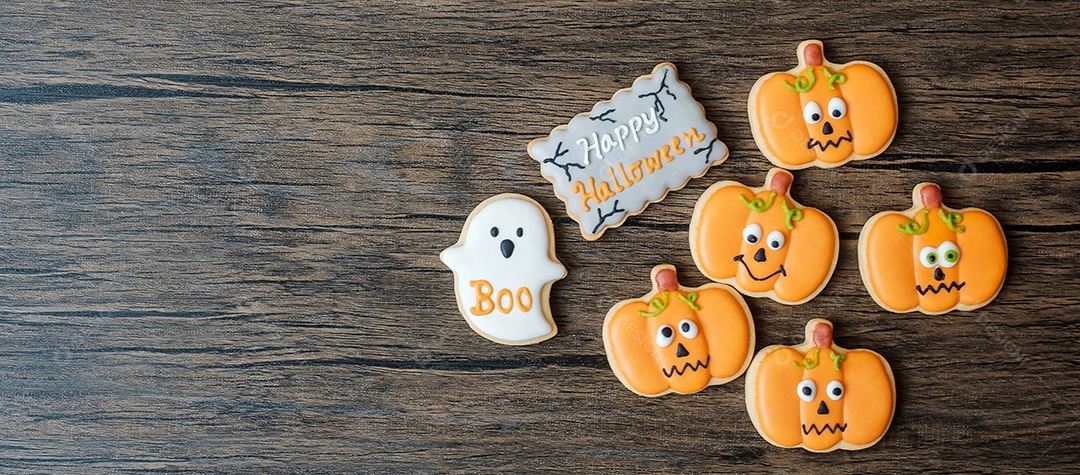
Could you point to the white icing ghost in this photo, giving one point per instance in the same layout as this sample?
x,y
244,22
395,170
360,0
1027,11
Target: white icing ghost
x,y
504,264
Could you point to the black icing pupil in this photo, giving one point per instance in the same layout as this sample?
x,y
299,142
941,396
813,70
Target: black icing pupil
x,y
775,244
836,113
805,390
751,239
685,327
837,391
931,258
494,232
666,332
816,117
520,232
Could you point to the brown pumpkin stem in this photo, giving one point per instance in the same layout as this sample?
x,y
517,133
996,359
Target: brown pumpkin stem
x,y
823,335
667,280
781,181
813,55
931,196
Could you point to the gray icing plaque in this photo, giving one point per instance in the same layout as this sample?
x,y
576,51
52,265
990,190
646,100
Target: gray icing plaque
x,y
610,163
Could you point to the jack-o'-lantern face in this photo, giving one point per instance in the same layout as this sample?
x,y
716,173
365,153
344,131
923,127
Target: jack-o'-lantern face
x,y
823,114
677,339
820,396
762,241
931,258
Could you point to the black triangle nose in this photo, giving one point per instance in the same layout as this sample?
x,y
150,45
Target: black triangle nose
x,y
681,351
938,274
507,248
760,255
827,128
822,408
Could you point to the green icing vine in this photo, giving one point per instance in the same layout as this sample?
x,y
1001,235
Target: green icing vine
x,y
807,363
952,220
836,360
912,227
837,77
657,305
757,205
802,84
691,300
790,214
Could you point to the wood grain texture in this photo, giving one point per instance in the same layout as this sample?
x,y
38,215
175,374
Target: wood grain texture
x,y
221,225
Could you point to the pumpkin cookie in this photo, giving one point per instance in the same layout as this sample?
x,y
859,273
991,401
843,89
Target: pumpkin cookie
x,y
819,396
677,339
762,241
504,265
931,258
822,114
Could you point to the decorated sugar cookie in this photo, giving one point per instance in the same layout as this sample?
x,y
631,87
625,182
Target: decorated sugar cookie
x,y
504,265
678,339
822,114
762,241
819,396
610,163
932,258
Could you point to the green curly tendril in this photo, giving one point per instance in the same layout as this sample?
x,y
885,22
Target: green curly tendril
x,y
912,227
837,77
952,220
801,83
657,305
757,205
691,300
807,363
790,214
836,360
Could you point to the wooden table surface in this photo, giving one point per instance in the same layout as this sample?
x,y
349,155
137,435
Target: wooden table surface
x,y
221,225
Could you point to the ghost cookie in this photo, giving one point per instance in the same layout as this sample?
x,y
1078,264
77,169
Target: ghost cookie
x,y
504,265
931,258
678,339
762,241
822,114
610,163
819,396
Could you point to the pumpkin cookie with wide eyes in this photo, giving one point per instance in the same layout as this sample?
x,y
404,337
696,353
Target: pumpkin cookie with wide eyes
x,y
762,241
822,114
678,339
931,258
819,396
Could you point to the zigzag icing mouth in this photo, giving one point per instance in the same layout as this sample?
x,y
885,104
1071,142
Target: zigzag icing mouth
x,y
828,143
831,428
781,271
691,367
940,287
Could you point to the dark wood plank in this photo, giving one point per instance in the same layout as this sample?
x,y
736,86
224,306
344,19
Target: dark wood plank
x,y
222,221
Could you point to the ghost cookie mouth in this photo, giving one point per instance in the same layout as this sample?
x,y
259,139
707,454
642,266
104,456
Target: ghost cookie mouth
x,y
781,271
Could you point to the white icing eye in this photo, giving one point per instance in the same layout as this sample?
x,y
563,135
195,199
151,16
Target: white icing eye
x,y
837,108
775,240
807,390
835,390
812,113
949,254
752,233
664,336
928,257
688,329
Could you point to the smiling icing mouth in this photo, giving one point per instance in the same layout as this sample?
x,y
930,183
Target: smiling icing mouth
x,y
831,428
810,144
781,271
940,287
687,367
